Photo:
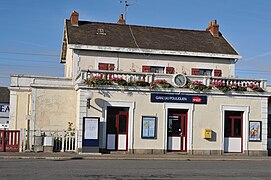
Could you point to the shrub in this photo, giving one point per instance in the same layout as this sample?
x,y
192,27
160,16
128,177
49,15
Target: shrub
x,y
236,87
160,83
120,81
221,86
142,83
97,81
255,87
197,86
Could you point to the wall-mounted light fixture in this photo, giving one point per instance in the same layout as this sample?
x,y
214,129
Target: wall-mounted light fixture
x,y
89,96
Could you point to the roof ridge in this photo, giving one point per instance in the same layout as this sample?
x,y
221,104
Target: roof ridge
x,y
134,25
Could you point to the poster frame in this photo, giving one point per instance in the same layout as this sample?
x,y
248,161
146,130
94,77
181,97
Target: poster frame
x,y
148,119
252,125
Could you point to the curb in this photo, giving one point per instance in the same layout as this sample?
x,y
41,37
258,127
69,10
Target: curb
x,y
207,158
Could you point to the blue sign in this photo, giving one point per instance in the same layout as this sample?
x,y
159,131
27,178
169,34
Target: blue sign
x,y
91,131
178,98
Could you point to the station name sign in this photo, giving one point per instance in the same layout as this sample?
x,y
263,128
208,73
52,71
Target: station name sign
x,y
178,98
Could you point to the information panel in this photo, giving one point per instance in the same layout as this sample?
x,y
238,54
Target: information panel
x,y
91,128
148,127
91,131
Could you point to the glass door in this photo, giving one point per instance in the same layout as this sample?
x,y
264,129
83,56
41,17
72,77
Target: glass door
x,y
233,131
117,130
177,132
122,131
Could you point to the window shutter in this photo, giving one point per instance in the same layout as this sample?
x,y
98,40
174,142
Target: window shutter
x,y
103,66
111,67
146,69
217,73
195,71
170,70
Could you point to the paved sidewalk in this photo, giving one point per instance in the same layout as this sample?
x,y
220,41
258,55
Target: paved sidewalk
x,y
89,156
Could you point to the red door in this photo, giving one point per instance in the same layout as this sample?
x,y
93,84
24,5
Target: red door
x,y
177,132
233,133
117,131
122,131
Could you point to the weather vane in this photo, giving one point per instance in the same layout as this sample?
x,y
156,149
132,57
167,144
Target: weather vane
x,y
126,4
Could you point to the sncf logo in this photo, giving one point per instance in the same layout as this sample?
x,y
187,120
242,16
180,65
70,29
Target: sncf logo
x,y
196,99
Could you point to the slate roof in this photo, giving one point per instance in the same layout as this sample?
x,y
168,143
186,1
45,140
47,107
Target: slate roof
x,y
4,95
145,37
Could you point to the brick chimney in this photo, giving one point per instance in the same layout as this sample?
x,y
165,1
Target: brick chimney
x,y
74,18
121,20
213,27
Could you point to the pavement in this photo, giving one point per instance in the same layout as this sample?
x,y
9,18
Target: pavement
x,y
98,156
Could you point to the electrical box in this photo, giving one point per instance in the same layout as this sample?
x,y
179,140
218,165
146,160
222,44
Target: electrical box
x,y
207,133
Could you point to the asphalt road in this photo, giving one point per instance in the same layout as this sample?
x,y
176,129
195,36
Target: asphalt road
x,y
25,169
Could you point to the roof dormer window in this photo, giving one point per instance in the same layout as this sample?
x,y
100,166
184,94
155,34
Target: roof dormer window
x,y
100,31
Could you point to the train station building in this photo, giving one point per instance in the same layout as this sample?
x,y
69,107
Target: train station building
x,y
146,90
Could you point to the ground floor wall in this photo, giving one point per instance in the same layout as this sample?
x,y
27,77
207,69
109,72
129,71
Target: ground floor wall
x,y
200,117
144,126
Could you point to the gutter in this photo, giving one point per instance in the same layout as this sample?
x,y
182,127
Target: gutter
x,y
152,51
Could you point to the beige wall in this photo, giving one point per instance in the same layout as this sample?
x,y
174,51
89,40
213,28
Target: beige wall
x,y
127,62
68,71
20,104
143,106
210,117
55,108
204,117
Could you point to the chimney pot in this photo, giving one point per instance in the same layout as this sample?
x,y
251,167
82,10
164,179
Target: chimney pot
x,y
121,20
213,27
74,18
210,24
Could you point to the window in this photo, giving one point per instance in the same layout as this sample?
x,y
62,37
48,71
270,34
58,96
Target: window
x,y
153,69
111,124
174,125
106,66
233,124
157,69
122,124
206,72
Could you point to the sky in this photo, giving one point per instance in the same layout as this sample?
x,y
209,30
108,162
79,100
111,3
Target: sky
x,y
31,31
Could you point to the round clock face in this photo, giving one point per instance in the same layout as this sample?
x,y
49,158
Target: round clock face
x,y
179,80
